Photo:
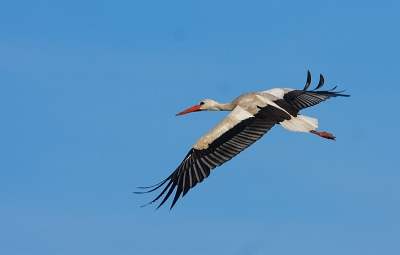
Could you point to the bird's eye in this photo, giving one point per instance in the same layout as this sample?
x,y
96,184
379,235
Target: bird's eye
x,y
201,103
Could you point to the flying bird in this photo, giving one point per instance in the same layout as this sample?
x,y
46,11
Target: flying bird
x,y
253,114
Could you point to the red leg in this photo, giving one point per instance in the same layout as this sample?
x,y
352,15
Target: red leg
x,y
323,134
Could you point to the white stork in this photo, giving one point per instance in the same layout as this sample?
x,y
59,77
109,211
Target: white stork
x,y
253,114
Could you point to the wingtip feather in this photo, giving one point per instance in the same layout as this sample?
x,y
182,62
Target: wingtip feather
x,y
308,82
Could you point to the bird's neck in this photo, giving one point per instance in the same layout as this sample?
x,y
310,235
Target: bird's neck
x,y
226,107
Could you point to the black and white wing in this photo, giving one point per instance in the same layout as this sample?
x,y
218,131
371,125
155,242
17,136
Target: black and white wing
x,y
296,100
198,163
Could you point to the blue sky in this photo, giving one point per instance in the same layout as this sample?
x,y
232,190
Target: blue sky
x,y
88,94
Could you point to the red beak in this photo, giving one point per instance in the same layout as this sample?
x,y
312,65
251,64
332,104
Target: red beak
x,y
195,108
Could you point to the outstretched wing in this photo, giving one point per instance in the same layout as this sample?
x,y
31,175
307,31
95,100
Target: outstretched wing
x,y
198,162
296,100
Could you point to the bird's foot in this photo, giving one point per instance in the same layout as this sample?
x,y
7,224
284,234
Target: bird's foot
x,y
323,134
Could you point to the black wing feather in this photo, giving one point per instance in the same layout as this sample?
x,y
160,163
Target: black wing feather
x,y
308,82
296,100
198,163
321,82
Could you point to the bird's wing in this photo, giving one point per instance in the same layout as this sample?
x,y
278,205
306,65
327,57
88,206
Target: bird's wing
x,y
295,100
198,162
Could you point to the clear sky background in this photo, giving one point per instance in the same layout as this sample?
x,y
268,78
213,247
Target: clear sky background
x,y
88,94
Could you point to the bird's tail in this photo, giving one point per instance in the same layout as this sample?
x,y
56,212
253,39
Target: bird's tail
x,y
300,123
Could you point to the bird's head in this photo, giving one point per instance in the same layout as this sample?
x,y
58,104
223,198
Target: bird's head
x,y
204,105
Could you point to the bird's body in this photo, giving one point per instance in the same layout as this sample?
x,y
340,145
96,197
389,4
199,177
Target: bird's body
x,y
252,115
